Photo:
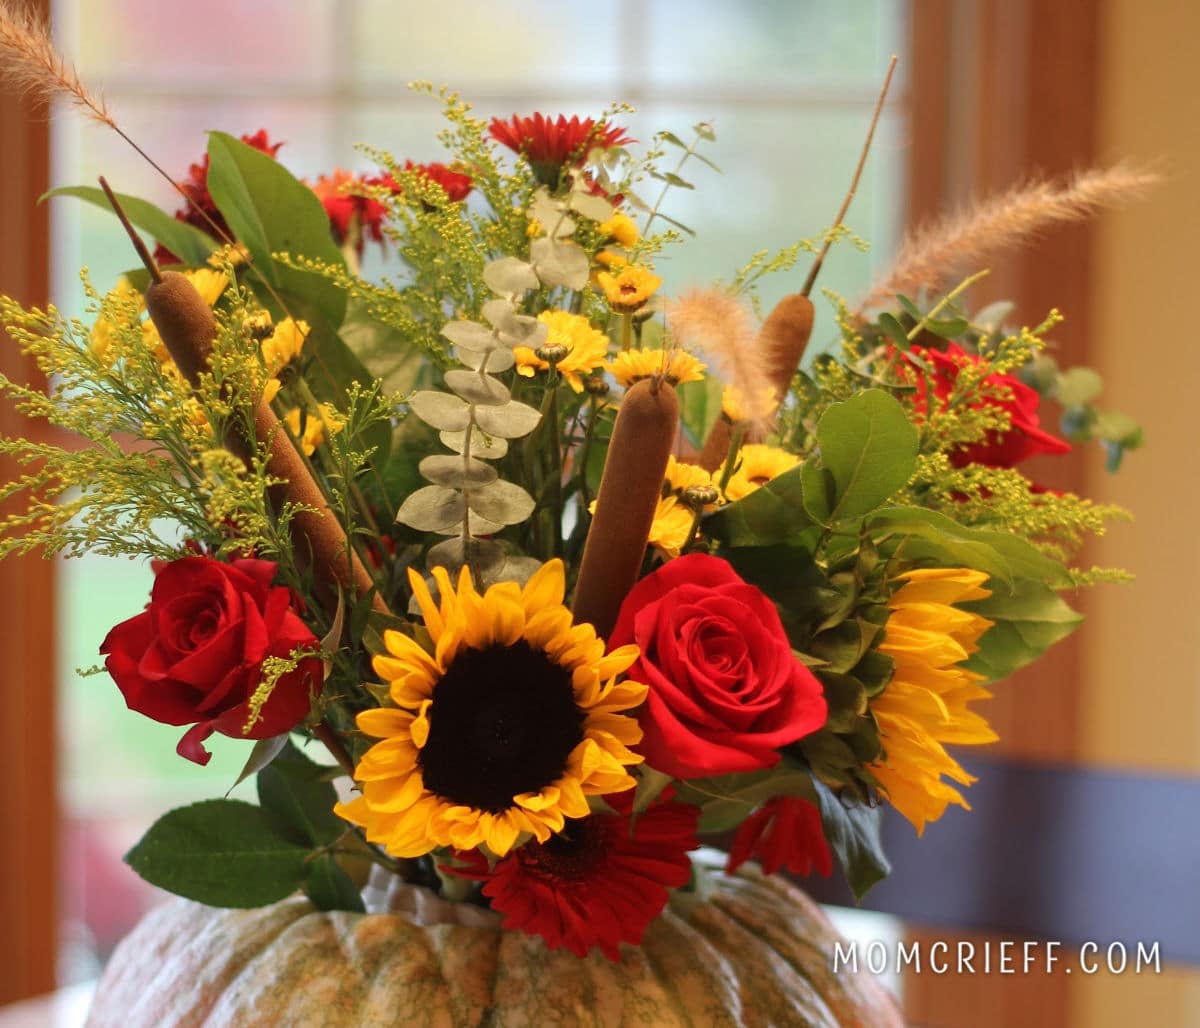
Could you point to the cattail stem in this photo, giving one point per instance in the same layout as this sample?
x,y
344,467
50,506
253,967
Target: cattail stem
x,y
642,439
143,253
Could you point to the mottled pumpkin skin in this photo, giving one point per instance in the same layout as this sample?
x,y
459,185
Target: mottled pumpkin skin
x,y
756,952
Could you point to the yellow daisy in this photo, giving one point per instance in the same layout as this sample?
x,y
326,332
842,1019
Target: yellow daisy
x,y
671,529
757,465
735,407
284,343
926,702
586,348
675,365
503,730
629,288
313,433
621,229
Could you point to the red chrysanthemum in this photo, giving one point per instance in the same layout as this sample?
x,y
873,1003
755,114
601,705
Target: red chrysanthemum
x,y
784,832
549,146
597,883
195,187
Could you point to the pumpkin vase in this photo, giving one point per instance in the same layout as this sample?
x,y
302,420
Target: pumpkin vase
x,y
753,951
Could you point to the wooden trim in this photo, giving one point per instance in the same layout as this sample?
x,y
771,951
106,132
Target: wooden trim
x,y
28,730
1003,89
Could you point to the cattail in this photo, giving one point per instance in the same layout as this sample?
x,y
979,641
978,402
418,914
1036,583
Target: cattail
x,y
188,329
642,439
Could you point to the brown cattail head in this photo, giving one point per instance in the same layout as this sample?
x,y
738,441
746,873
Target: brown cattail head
x,y
184,321
784,338
642,439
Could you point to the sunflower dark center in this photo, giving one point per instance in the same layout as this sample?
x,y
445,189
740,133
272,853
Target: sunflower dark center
x,y
503,722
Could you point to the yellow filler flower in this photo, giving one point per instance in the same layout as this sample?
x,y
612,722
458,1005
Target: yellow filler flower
x,y
926,702
503,730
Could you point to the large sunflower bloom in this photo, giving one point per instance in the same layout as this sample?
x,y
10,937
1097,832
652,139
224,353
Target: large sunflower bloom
x,y
925,704
504,729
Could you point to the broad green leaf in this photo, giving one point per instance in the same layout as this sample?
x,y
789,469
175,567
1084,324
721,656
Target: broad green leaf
x,y
188,243
297,799
894,330
385,352
771,514
221,852
271,211
330,888
916,534
852,829
1026,623
727,800
870,447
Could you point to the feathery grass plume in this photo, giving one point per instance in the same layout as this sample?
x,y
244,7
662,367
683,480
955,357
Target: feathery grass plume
x,y
718,324
30,62
931,255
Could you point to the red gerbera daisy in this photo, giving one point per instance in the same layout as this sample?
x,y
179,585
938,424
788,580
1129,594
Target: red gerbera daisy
x,y
549,146
784,832
455,184
342,204
195,187
597,883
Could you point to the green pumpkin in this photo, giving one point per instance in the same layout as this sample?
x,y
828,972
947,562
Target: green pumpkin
x,y
755,951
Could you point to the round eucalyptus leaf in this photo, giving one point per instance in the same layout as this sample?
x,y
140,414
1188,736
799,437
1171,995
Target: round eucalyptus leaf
x,y
432,509
457,471
441,410
487,447
478,389
503,502
559,263
497,359
485,556
478,525
551,215
509,276
470,335
511,421
594,207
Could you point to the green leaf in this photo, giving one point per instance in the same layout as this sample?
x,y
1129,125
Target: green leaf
x,y
220,852
948,328
271,211
385,352
187,242
869,447
1027,622
297,799
674,140
330,888
788,575
264,751
726,800
919,535
894,330
771,514
852,829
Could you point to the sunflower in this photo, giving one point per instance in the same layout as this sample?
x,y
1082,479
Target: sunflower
x,y
925,704
503,730
597,884
586,348
674,365
629,288
757,465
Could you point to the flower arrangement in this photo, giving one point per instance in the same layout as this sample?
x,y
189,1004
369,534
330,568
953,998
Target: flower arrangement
x,y
563,574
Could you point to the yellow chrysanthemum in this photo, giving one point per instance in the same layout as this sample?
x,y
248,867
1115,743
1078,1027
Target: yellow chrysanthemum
x,y
284,344
671,529
586,348
676,366
681,475
735,407
757,465
503,730
629,288
926,702
621,229
313,433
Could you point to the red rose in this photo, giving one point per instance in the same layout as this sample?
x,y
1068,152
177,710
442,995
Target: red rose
x,y
784,832
1025,437
725,688
194,655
